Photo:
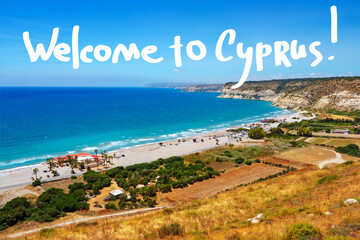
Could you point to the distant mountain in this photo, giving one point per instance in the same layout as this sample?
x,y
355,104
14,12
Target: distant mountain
x,y
204,88
340,93
170,85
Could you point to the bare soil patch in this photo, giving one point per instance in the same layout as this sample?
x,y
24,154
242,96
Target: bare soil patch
x,y
230,179
219,166
64,183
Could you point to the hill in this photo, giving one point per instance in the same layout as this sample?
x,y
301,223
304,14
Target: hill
x,y
323,93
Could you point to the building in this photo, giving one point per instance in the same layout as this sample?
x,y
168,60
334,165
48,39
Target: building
x,y
116,193
341,131
81,157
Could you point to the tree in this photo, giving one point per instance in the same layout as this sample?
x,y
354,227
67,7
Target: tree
x,y
256,133
304,131
50,163
35,171
97,161
96,152
276,131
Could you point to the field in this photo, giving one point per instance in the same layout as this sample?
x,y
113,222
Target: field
x,y
230,179
312,155
333,141
284,201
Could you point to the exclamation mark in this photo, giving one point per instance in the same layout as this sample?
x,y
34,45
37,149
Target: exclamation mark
x,y
334,27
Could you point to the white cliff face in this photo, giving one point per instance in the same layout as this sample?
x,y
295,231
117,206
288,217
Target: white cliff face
x,y
339,93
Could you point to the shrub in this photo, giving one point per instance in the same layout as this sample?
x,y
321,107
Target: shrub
x,y
327,179
299,231
151,203
165,188
73,177
257,133
47,232
248,162
276,131
351,149
111,206
239,160
173,229
304,131
35,183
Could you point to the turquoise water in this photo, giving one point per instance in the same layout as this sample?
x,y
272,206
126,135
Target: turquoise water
x,y
38,123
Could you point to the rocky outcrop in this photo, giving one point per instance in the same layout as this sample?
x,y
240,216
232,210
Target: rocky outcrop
x,y
325,93
204,88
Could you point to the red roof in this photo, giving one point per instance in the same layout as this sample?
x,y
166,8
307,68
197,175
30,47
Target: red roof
x,y
78,155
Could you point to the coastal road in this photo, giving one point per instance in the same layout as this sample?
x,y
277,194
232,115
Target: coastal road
x,y
79,220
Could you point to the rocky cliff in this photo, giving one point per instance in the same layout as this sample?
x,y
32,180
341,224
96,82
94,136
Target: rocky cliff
x,y
324,93
204,88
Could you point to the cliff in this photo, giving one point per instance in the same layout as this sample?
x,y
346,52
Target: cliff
x,y
324,93
204,88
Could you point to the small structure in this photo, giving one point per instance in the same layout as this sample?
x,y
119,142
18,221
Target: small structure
x,y
116,193
341,131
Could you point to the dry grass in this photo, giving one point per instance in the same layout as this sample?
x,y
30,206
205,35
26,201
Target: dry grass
x,y
334,142
284,201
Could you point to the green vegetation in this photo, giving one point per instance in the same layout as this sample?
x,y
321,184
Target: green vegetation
x,y
327,179
35,183
173,229
51,204
256,133
300,231
276,131
344,113
350,149
304,130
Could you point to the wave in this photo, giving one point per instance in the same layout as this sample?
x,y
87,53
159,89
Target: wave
x,y
127,143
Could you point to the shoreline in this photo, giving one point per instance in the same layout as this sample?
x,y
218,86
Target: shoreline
x,y
21,176
183,134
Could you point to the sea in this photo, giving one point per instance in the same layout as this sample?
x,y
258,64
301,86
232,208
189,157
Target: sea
x,y
40,123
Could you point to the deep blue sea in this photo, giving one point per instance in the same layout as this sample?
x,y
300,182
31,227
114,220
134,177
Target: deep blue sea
x,y
38,123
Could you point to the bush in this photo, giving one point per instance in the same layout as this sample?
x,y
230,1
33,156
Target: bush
x,y
239,160
47,232
304,131
248,162
299,231
276,131
165,188
111,206
351,149
151,203
35,183
327,179
73,177
257,133
173,229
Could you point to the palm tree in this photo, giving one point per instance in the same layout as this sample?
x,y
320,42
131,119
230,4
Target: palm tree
x,y
87,161
96,152
69,159
97,161
35,171
73,163
50,162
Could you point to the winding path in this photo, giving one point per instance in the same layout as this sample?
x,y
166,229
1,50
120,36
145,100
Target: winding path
x,y
337,159
79,220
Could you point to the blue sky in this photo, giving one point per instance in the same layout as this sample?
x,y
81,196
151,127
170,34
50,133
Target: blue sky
x,y
157,22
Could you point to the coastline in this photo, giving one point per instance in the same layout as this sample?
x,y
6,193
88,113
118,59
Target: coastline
x,y
21,176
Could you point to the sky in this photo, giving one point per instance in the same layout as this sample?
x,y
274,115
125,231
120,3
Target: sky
x,y
157,23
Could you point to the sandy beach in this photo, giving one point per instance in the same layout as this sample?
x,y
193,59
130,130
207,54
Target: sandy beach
x,y
13,178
